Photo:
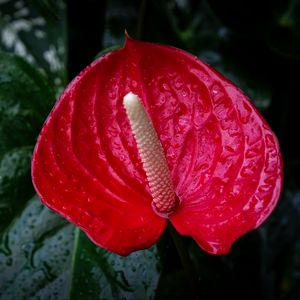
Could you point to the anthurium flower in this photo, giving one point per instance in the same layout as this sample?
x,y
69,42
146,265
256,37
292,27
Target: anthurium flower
x,y
149,134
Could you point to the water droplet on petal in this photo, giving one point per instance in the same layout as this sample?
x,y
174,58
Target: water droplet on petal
x,y
134,84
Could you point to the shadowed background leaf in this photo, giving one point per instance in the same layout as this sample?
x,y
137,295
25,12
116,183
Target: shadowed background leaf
x,y
36,30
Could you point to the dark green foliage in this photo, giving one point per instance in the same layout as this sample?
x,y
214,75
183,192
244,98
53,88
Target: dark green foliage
x,y
25,100
103,275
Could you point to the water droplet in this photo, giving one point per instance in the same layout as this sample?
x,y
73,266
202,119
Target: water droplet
x,y
251,153
215,89
249,169
259,205
9,261
221,189
4,247
178,83
46,268
244,112
236,189
28,249
183,122
134,84
112,94
171,75
265,188
166,87
246,171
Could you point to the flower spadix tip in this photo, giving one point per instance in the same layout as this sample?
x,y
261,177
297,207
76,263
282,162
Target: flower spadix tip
x,y
130,100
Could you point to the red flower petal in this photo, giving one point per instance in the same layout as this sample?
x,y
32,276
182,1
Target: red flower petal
x,y
235,183
86,165
224,160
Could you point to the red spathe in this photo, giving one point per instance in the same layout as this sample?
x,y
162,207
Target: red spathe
x,y
224,159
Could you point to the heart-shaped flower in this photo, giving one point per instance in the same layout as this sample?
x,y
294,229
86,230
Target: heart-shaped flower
x,y
211,165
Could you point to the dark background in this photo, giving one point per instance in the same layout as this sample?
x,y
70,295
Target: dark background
x,y
257,45
254,43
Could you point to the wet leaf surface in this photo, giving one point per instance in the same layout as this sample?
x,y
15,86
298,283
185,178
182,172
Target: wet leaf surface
x,y
101,274
14,181
36,31
25,100
35,255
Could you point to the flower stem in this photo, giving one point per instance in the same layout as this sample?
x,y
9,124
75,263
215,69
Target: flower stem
x,y
186,261
140,25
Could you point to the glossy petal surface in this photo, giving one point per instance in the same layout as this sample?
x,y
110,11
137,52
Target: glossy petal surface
x,y
86,165
224,159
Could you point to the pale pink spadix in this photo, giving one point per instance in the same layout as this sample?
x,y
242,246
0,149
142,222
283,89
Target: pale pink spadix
x,y
152,156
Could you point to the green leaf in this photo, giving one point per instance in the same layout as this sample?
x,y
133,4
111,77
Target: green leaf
x,y
283,34
36,30
35,255
15,182
100,274
107,50
42,258
25,100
